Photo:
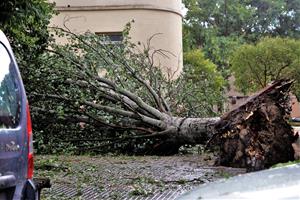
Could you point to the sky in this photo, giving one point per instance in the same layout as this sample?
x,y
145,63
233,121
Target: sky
x,y
183,9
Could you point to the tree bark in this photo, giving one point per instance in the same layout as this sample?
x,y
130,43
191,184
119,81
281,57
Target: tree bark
x,y
193,130
184,131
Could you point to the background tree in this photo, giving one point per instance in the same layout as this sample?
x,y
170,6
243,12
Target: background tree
x,y
271,59
276,18
220,26
25,23
199,90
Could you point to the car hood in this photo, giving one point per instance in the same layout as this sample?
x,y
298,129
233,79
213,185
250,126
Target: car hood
x,y
276,183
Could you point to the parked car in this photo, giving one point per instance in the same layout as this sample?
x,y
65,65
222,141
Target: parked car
x,y
16,148
282,182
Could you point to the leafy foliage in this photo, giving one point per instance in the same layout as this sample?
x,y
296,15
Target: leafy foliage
x,y
220,26
271,59
199,90
220,16
250,19
219,49
25,24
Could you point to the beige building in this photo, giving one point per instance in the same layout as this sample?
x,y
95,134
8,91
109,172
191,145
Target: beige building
x,y
109,17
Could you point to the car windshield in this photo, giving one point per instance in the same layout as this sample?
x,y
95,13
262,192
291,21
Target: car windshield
x,y
9,91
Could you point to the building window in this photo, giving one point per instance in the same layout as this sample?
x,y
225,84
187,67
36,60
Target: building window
x,y
113,37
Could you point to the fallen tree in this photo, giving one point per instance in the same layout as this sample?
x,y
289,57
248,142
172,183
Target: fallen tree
x,y
116,96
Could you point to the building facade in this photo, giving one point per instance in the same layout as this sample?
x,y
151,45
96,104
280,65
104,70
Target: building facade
x,y
162,18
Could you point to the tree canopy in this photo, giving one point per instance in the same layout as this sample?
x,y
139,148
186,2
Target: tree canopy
x,y
202,85
271,59
25,23
220,26
250,19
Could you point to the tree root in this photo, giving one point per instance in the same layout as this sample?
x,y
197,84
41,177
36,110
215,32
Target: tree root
x,y
256,135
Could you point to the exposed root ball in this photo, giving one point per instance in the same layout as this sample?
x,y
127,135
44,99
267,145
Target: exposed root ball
x,y
257,135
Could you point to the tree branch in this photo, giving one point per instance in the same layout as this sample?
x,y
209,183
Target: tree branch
x,y
156,134
280,70
125,64
154,122
156,113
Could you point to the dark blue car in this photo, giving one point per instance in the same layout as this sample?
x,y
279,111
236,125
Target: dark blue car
x,y
16,150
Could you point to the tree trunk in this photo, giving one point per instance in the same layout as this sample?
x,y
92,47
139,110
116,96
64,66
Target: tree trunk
x,y
184,131
196,130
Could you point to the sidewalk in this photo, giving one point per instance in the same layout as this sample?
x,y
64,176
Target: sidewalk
x,y
124,177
